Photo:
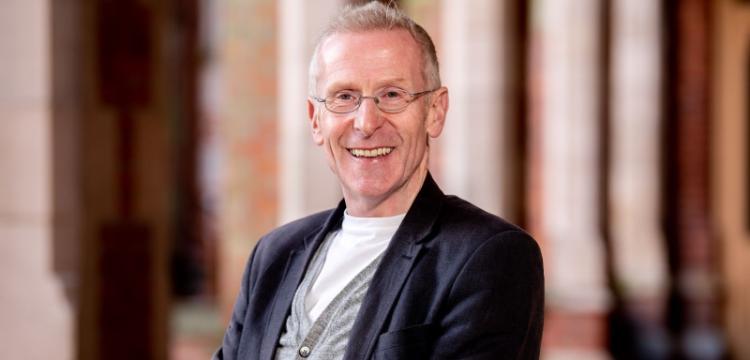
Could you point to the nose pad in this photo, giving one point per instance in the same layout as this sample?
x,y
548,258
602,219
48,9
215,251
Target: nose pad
x,y
368,117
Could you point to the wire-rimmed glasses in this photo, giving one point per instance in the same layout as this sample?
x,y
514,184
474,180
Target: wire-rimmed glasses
x,y
390,100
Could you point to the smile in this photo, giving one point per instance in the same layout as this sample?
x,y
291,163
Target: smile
x,y
371,153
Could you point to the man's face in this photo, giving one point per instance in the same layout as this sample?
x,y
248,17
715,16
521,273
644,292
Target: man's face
x,y
379,158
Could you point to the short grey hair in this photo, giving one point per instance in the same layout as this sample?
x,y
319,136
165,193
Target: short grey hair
x,y
377,16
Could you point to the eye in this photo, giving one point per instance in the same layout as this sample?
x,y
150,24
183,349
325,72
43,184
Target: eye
x,y
344,96
392,94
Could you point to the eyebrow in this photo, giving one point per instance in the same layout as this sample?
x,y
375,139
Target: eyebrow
x,y
347,85
391,81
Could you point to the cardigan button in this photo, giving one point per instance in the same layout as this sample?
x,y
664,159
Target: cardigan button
x,y
304,351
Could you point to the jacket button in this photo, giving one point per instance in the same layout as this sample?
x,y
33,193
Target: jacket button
x,y
304,351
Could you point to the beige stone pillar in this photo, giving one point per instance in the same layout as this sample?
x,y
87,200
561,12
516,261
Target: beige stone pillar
x,y
635,207
571,155
37,321
479,145
67,111
635,186
306,184
568,35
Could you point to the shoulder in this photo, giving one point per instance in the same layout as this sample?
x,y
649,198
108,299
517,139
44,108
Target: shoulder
x,y
292,234
482,243
459,216
303,225
273,249
464,228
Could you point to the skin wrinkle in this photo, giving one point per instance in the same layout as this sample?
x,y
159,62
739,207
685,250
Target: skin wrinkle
x,y
366,62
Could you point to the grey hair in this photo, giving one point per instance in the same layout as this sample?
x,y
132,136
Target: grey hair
x,y
377,16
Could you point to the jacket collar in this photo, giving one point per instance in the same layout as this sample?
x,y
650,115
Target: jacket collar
x,y
387,281
422,214
415,227
395,267
294,271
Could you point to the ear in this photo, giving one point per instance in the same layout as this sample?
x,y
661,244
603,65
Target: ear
x,y
437,111
314,116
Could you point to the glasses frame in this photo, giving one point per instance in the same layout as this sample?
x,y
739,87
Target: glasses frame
x,y
414,96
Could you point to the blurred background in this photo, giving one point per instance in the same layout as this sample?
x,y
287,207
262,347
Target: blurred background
x,y
145,145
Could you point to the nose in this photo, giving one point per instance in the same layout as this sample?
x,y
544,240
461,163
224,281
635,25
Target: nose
x,y
368,118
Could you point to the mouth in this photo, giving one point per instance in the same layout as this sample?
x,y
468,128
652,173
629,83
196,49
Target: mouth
x,y
371,153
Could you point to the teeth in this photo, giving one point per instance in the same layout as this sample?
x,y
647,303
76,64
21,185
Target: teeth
x,y
371,152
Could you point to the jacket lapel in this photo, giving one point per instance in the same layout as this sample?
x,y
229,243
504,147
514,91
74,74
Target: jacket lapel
x,y
294,271
394,269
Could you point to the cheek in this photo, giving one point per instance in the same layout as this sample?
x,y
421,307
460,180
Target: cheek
x,y
416,149
331,158
330,140
326,131
418,136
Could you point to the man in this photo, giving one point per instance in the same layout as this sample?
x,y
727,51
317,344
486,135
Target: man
x,y
398,270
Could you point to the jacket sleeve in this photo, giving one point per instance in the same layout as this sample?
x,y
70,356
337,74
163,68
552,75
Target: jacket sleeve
x,y
495,307
230,344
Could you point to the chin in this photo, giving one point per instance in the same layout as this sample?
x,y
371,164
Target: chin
x,y
372,189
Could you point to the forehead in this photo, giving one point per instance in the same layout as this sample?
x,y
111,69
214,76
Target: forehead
x,y
370,58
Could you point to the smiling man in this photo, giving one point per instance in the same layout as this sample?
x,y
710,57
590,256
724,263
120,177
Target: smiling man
x,y
398,270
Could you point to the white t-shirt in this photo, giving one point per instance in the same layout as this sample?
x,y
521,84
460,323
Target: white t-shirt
x,y
356,245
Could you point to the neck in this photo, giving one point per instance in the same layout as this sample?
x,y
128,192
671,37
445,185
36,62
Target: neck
x,y
394,203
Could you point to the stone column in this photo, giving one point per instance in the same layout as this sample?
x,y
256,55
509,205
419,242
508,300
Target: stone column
x,y
67,110
37,321
479,146
306,184
689,198
638,255
568,59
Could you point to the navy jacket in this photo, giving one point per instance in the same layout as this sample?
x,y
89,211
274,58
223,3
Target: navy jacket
x,y
455,283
